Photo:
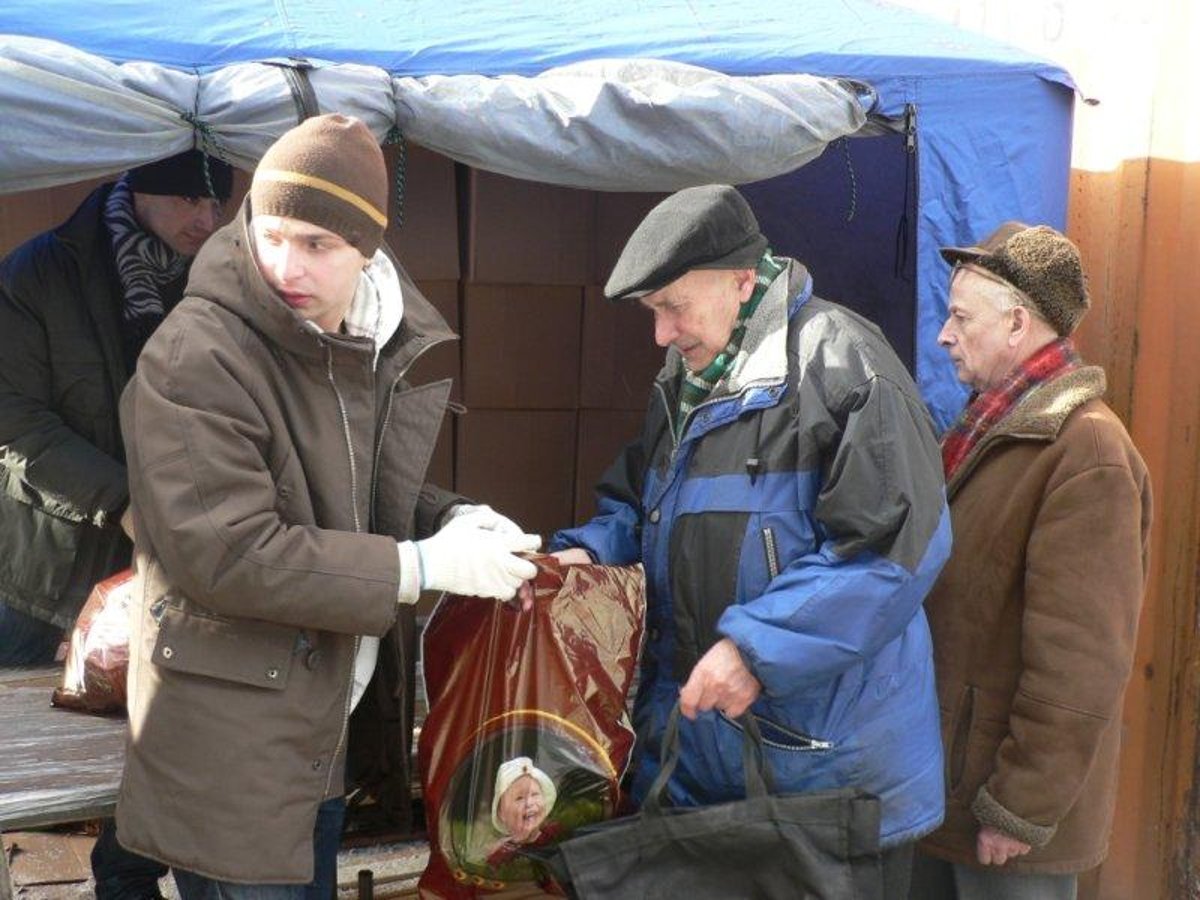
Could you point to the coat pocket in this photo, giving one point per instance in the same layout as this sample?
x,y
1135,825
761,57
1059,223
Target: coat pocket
x,y
956,751
245,651
780,737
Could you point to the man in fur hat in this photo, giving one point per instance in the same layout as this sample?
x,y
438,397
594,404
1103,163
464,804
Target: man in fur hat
x,y
1035,615
285,529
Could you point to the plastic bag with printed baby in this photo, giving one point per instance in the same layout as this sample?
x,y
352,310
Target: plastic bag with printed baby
x,y
528,732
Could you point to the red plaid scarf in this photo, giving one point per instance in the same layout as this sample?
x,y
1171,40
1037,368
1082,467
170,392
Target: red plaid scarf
x,y
986,409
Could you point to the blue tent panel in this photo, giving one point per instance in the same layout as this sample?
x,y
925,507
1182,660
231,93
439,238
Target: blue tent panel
x,y
993,122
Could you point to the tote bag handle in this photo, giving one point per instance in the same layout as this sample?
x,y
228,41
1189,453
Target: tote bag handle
x,y
760,781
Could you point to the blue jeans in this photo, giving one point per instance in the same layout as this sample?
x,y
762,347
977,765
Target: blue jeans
x,y
327,835
936,879
26,641
122,874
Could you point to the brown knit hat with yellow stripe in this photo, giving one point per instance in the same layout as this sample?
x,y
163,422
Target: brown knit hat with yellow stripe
x,y
328,171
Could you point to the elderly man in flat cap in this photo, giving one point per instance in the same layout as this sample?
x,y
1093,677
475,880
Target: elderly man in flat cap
x,y
786,499
1035,615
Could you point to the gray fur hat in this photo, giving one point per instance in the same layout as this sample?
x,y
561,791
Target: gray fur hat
x,y
1040,262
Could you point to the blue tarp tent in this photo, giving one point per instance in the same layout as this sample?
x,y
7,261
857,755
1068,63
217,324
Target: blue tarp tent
x,y
980,132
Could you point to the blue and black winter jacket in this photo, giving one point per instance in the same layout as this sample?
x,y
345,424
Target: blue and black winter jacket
x,y
799,511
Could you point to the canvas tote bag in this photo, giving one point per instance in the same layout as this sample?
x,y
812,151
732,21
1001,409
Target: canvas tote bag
x,y
822,845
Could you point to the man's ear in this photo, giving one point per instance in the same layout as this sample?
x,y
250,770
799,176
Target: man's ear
x,y
744,279
1022,322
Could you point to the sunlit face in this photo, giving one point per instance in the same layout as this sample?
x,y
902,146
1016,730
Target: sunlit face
x,y
696,312
313,270
182,223
978,332
522,808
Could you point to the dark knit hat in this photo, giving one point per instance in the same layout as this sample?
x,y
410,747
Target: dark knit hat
x,y
1038,261
328,171
708,227
182,175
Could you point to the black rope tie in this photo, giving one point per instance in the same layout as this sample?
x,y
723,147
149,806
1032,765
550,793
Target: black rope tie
x,y
850,213
396,136
204,139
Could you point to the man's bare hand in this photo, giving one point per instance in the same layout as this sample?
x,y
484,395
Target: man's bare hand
x,y
721,681
525,595
127,523
995,848
572,556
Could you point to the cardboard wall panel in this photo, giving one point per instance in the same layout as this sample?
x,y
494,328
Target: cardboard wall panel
x,y
521,232
617,216
427,239
603,434
521,346
520,462
618,357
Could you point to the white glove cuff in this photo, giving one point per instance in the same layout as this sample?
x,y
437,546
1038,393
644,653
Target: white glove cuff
x,y
412,577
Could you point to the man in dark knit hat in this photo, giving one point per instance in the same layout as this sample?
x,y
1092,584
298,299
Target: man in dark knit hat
x,y
1035,616
786,499
76,305
285,530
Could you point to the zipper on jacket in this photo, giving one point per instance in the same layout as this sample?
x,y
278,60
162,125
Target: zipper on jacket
x,y
772,552
802,743
346,434
341,743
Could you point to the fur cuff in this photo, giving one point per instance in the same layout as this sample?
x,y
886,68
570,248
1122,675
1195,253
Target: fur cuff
x,y
989,812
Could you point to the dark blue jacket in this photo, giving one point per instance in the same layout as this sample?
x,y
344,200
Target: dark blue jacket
x,y
801,513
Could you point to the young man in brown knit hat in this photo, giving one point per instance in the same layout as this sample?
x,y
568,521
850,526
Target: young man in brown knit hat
x,y
1035,614
285,530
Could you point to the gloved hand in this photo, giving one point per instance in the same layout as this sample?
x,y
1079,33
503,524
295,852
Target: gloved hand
x,y
482,516
463,558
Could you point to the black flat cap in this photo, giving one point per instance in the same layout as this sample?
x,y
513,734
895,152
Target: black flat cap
x,y
182,175
707,227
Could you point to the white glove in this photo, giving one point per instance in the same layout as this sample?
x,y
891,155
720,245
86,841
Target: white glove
x,y
463,558
483,516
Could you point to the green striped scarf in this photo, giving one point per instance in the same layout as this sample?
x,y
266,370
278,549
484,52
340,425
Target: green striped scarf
x,y
696,386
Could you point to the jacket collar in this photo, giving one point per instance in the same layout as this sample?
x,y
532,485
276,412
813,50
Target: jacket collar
x,y
226,274
1039,415
762,358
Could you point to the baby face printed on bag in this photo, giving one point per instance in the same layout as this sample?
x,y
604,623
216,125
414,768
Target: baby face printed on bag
x,y
524,797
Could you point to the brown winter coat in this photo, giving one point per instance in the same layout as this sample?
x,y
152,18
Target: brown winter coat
x,y
1033,622
266,545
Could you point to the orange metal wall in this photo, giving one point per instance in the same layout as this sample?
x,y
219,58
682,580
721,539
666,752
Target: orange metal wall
x,y
1139,230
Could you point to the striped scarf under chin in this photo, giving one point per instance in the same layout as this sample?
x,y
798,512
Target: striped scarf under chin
x,y
986,409
151,273
695,387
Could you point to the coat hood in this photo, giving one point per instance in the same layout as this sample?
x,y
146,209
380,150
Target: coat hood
x,y
226,274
